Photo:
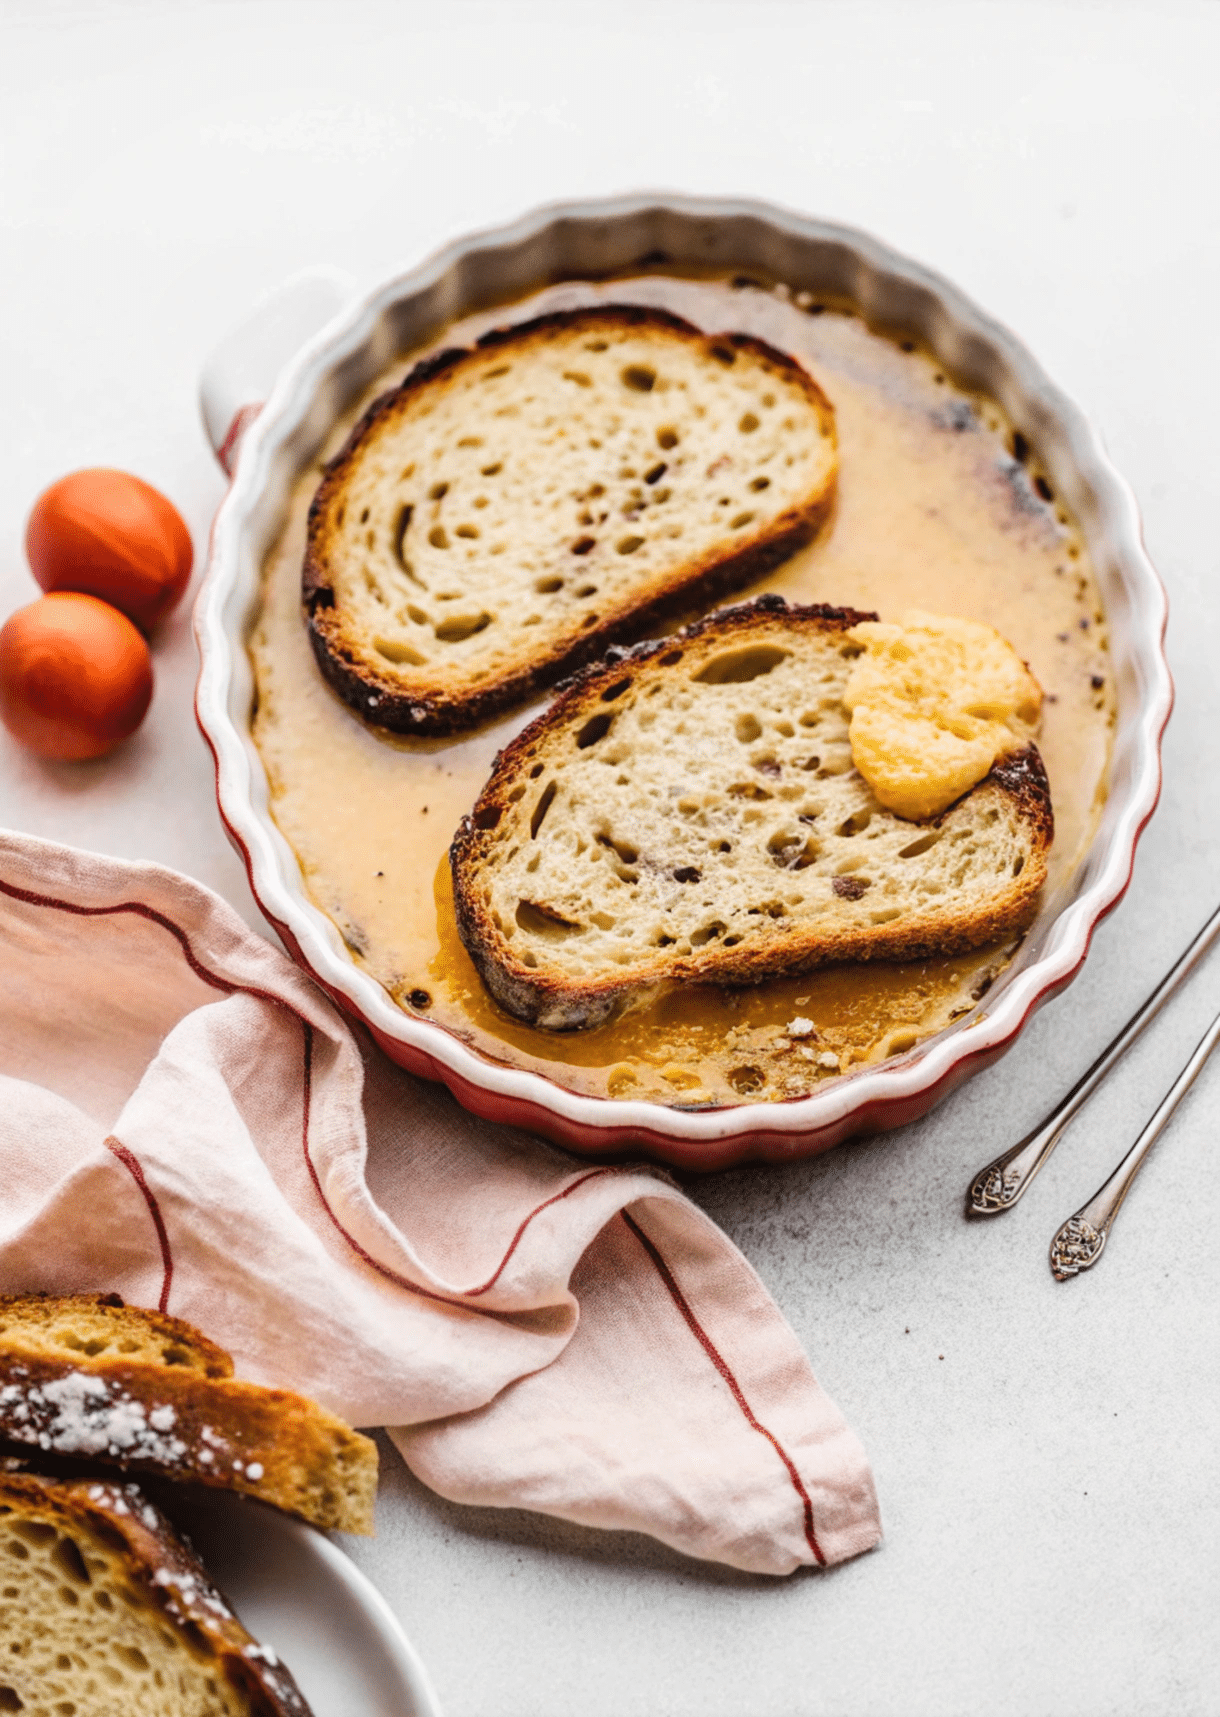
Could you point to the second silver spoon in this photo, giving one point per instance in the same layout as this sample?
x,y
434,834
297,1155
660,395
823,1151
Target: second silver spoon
x,y
999,1186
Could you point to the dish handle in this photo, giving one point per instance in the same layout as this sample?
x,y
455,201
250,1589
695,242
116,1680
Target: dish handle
x,y
239,372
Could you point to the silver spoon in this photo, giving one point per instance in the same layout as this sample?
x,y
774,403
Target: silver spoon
x,y
1079,1243
998,1187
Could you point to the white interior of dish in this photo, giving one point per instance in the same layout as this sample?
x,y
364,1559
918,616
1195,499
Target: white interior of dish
x,y
892,294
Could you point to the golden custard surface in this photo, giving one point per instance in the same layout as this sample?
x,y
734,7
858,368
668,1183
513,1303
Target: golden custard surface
x,y
933,512
934,700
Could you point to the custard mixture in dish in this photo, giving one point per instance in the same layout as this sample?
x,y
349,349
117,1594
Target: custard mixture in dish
x,y
940,507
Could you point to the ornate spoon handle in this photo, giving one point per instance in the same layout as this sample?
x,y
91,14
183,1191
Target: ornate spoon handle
x,y
998,1187
1079,1243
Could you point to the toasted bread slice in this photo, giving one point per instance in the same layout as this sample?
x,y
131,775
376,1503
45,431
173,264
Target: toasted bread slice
x,y
512,509
689,811
104,1609
89,1378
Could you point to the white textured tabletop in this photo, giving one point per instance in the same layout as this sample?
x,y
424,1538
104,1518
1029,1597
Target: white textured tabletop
x,y
1045,1454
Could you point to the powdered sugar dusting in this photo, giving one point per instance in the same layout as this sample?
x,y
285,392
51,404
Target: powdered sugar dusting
x,y
81,1414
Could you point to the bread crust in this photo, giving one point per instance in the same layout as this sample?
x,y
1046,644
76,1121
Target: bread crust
x,y
162,1416
377,696
41,1318
166,1573
558,1003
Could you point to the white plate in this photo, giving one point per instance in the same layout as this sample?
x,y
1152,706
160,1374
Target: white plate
x,y
298,1593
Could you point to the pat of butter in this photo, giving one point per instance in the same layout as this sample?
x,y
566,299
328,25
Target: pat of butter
x,y
934,701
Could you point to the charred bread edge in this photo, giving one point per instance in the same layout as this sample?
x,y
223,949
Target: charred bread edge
x,y
1020,775
251,1419
251,1415
168,1572
433,715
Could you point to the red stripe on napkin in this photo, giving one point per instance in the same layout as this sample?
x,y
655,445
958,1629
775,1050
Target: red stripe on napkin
x,y
132,1164
735,1389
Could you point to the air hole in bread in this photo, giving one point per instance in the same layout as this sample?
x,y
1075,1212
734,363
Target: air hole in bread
x,y
1044,488
586,590
438,491
748,423
625,851
642,378
467,531
438,536
500,370
628,545
791,852
655,475
582,545
589,620
748,790
417,615
542,807
579,377
400,531
921,845
491,470
724,355
707,933
487,817
760,483
397,650
739,523
545,921
748,729
688,873
597,727
734,667
615,691
667,438
669,660
536,771
68,1559
1018,864
548,586
461,626
855,824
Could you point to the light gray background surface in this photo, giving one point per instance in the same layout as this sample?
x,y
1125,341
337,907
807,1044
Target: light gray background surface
x,y
1045,1454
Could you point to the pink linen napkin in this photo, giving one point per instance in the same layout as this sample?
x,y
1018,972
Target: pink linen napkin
x,y
186,1120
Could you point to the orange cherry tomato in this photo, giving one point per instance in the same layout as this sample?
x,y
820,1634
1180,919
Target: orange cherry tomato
x,y
75,676
111,535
